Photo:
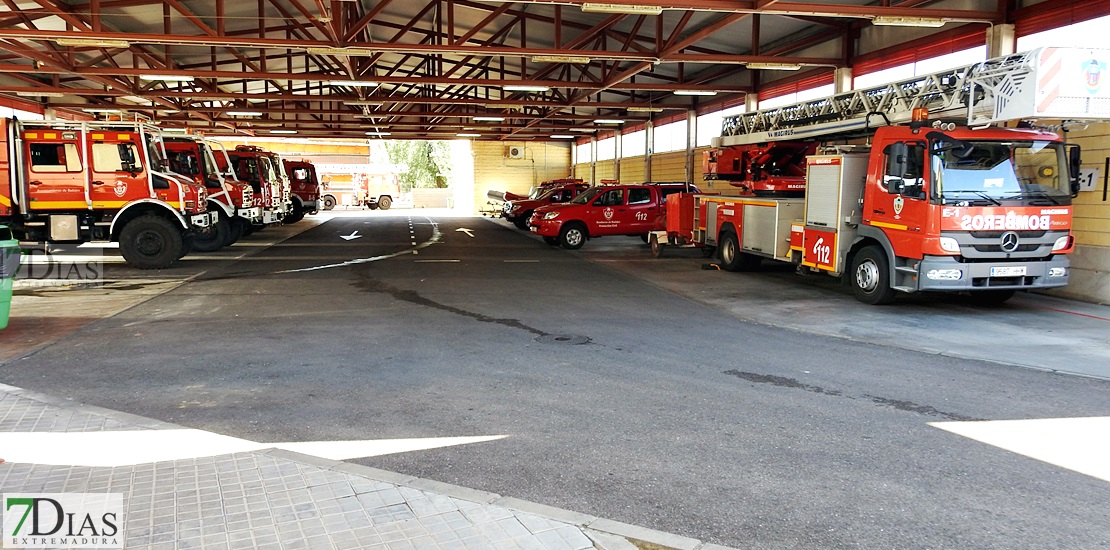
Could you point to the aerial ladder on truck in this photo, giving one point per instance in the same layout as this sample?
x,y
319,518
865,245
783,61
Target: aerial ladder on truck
x,y
910,186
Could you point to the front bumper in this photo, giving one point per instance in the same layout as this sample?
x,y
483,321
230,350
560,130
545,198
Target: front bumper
x,y
204,220
272,216
546,228
944,273
253,215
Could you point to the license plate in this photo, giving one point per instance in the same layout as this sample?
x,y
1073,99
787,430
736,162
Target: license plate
x,y
1008,271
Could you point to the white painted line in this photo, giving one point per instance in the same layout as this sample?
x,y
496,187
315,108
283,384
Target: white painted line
x,y
437,261
130,447
1078,444
436,236
521,261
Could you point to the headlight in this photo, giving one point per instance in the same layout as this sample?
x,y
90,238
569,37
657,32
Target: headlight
x,y
1062,243
551,215
1058,272
948,244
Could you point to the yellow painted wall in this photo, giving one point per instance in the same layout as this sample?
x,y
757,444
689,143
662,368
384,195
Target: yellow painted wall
x,y
606,170
1089,279
582,172
493,171
669,166
632,170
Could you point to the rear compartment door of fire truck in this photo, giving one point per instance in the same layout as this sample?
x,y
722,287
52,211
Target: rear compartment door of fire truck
x,y
56,176
834,186
117,169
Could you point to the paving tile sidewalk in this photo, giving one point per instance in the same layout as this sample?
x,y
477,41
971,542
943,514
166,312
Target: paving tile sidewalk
x,y
276,499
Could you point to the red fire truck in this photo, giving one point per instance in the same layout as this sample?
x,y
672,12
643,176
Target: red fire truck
x,y
75,182
932,199
230,198
305,188
265,173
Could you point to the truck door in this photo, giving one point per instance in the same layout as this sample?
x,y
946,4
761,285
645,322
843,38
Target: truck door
x,y
55,174
118,172
606,214
642,210
897,199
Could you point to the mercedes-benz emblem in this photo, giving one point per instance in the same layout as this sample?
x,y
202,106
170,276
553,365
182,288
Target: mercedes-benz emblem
x,y
1009,241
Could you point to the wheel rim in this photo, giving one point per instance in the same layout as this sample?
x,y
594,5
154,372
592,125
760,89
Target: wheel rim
x,y
574,237
149,243
728,251
867,275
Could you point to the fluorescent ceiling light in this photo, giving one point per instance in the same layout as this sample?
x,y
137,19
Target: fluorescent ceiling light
x,y
695,92
166,78
489,119
560,59
897,21
95,42
342,52
775,66
283,131
39,94
101,110
562,136
468,135
524,88
595,7
363,103
644,109
354,83
175,130
608,121
583,130
378,133
244,113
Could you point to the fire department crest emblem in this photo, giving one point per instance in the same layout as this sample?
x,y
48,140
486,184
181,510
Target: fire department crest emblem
x,y
899,202
121,188
608,213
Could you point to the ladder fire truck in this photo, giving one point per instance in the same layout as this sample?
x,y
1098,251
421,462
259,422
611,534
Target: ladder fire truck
x,y
909,186
76,182
231,199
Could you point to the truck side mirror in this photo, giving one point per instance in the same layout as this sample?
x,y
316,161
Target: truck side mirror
x,y
1074,162
897,164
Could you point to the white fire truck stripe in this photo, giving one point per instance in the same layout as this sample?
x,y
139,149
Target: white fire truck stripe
x,y
1078,444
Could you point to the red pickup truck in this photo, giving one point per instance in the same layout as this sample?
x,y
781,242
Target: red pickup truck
x,y
520,210
627,209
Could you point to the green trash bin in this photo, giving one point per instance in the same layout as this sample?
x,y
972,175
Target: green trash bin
x,y
9,264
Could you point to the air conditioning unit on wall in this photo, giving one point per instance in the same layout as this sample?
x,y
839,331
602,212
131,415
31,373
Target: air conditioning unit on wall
x,y
514,152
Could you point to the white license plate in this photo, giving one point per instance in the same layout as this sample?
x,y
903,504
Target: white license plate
x,y
1008,271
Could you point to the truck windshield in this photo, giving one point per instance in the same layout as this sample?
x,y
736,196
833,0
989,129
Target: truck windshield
x,y
588,195
1032,172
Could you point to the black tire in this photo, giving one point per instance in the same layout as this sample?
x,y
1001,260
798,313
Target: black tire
x,y
656,246
553,241
296,213
372,205
236,226
645,237
152,242
329,202
213,237
384,203
870,277
732,258
991,297
708,251
521,222
572,235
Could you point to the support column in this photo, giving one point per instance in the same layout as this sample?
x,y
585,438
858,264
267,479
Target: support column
x,y
593,159
649,135
842,80
618,154
1001,40
691,142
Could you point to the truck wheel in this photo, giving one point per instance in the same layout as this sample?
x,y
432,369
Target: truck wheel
x,y
296,214
213,237
871,277
329,202
151,242
521,222
553,241
656,246
237,226
384,202
991,297
732,259
572,236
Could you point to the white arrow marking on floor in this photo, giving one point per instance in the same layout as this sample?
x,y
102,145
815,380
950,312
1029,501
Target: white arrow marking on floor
x,y
145,446
469,232
1078,444
436,236
354,235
